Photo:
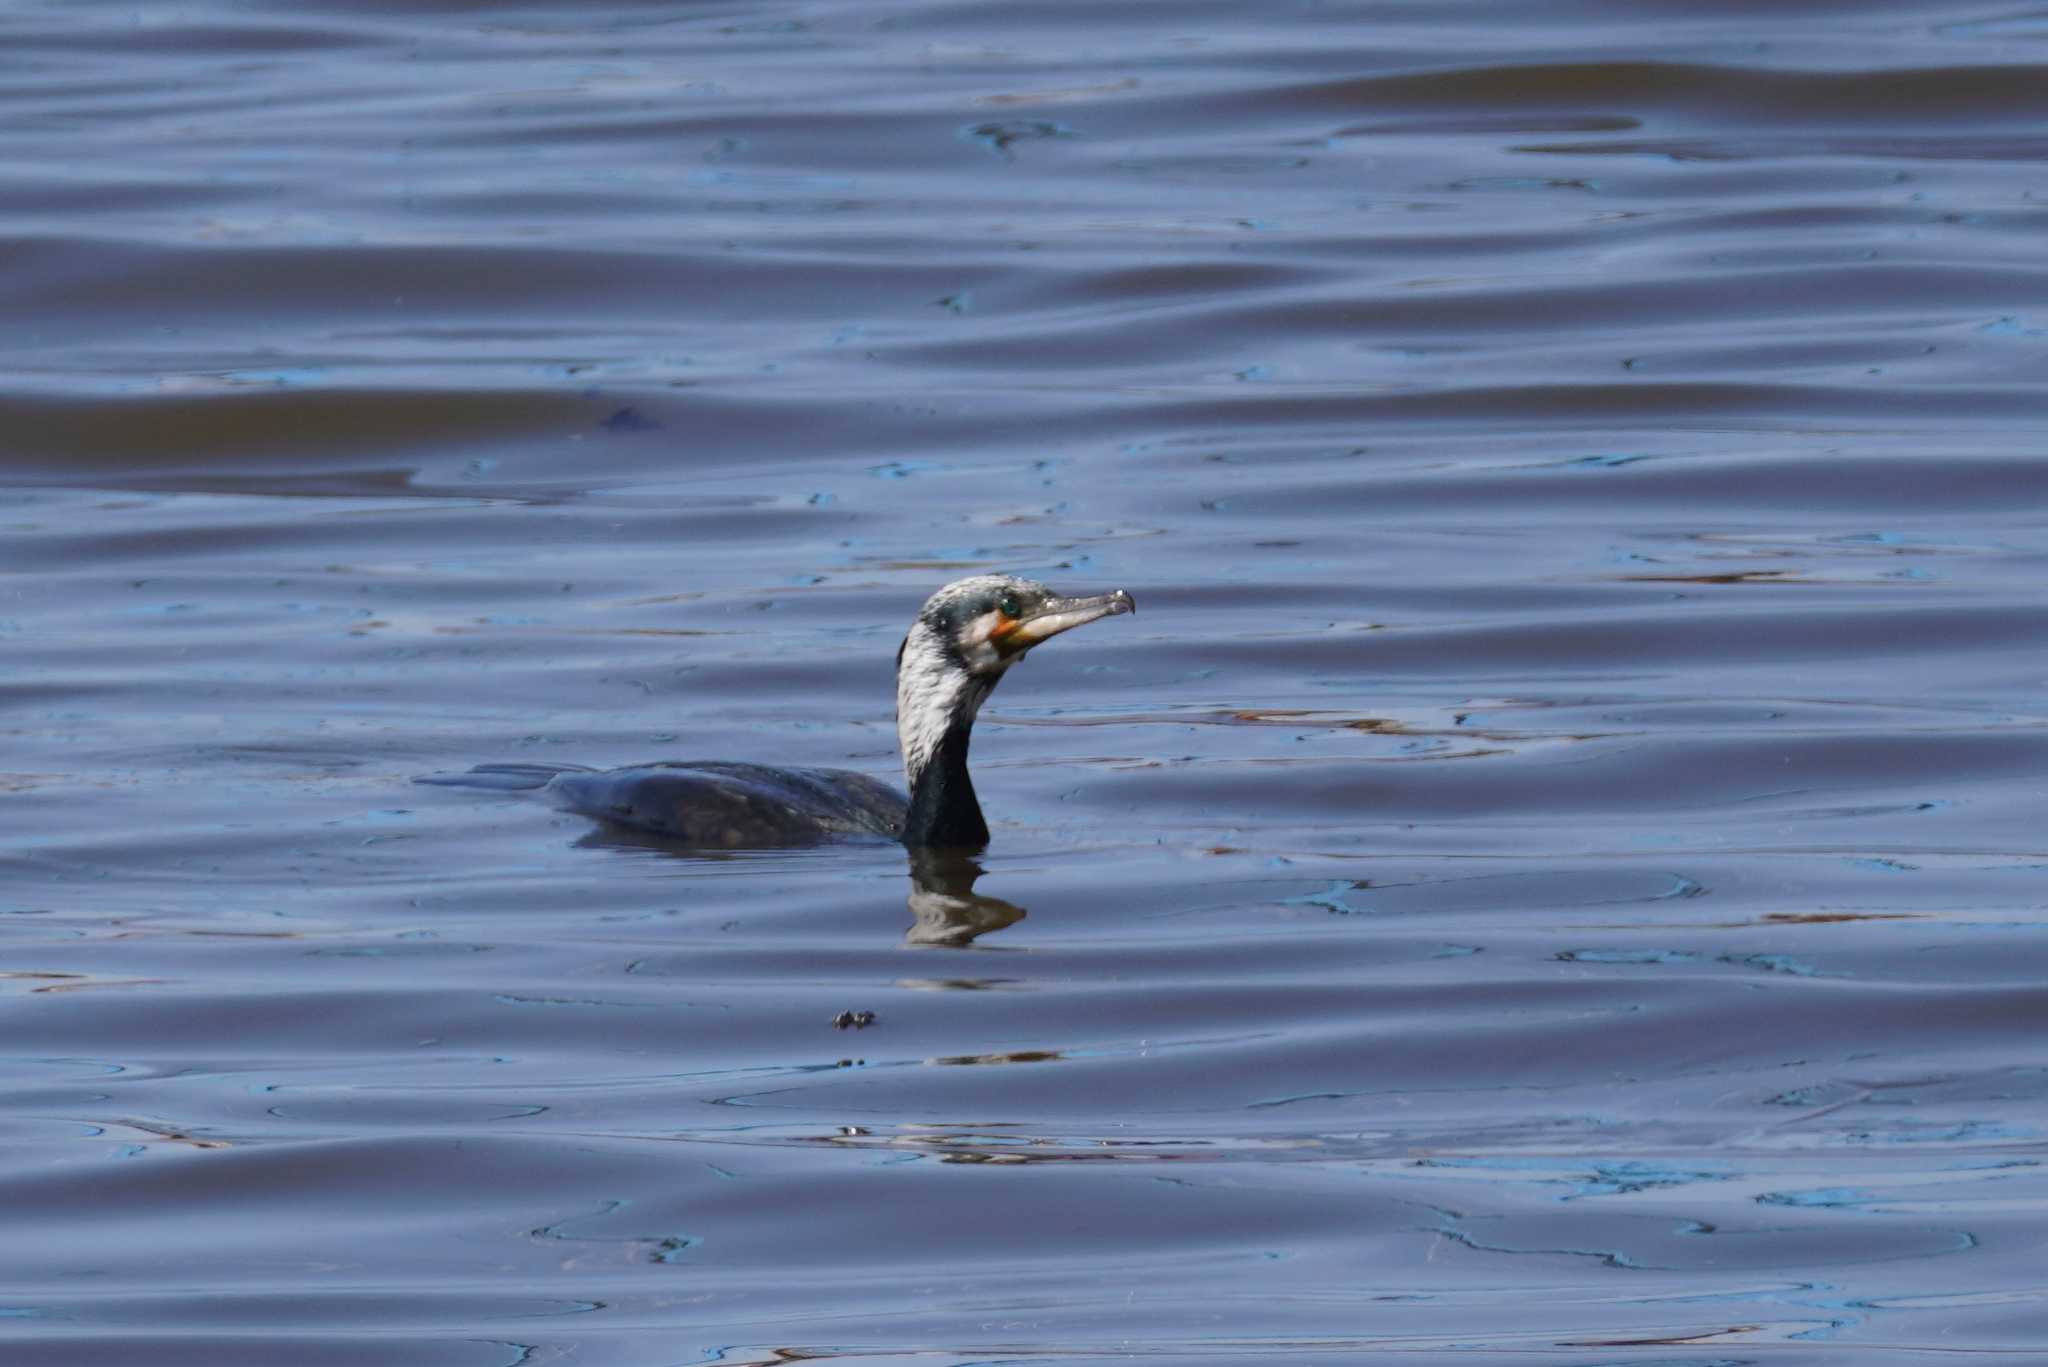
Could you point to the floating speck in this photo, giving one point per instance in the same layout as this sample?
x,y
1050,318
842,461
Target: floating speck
x,y
998,137
630,420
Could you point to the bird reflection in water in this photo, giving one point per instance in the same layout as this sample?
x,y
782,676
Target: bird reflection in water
x,y
945,910
944,907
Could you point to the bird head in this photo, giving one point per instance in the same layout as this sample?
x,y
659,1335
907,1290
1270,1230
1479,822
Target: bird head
x,y
964,639
987,623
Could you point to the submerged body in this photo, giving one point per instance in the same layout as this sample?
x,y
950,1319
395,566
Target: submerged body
x,y
965,638
709,804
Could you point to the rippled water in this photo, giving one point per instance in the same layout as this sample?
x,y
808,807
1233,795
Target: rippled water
x,y
1554,872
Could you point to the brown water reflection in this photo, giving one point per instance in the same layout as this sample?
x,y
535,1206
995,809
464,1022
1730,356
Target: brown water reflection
x,y
1639,409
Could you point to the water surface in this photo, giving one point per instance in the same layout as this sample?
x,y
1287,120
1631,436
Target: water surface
x,y
1553,873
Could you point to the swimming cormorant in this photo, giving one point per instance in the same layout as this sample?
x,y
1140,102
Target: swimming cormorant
x,y
964,639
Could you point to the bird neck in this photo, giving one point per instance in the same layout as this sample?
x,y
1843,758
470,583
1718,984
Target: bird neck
x,y
944,811
936,701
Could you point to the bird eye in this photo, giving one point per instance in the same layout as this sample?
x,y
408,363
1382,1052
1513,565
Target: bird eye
x,y
1007,605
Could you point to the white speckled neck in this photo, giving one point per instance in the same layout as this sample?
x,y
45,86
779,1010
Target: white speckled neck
x,y
934,694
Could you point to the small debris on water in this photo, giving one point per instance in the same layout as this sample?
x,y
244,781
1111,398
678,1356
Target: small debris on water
x,y
630,420
853,1020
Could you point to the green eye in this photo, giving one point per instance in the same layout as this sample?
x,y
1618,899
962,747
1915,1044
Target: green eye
x,y
1007,605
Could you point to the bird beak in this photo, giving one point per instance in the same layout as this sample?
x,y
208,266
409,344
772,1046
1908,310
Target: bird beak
x,y
1056,615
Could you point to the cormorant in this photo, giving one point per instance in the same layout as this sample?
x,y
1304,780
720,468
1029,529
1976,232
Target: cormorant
x,y
964,639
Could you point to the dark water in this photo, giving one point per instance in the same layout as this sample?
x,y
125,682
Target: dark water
x,y
1555,873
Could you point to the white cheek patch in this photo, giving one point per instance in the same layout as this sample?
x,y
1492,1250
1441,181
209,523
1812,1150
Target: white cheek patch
x,y
977,642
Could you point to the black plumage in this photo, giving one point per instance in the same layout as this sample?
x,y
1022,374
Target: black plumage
x,y
963,640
